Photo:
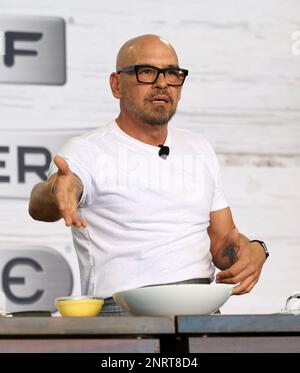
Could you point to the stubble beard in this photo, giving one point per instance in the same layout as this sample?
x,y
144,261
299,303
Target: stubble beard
x,y
160,116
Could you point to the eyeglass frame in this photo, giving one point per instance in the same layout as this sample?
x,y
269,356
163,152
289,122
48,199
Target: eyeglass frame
x,y
134,68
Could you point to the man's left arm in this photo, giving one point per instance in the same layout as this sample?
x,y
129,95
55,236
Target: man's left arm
x,y
240,260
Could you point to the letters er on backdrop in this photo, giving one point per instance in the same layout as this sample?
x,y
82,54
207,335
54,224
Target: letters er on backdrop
x,y
143,197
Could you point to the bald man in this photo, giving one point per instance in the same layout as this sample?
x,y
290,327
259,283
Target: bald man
x,y
145,199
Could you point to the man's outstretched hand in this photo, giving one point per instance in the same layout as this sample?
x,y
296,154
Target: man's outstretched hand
x,y
65,192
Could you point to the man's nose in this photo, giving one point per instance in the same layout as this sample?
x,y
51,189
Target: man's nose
x,y
161,81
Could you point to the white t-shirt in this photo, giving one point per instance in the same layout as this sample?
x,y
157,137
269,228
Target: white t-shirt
x,y
147,217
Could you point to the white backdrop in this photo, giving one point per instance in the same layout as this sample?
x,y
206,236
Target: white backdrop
x,y
242,94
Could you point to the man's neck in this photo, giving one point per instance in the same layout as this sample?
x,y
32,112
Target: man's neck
x,y
149,134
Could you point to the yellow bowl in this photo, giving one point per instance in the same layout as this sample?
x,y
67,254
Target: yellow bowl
x,y
83,306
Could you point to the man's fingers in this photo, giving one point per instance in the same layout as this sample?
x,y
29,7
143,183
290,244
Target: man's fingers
x,y
245,286
74,219
68,222
61,205
61,164
80,223
230,272
250,287
77,222
239,277
224,274
68,209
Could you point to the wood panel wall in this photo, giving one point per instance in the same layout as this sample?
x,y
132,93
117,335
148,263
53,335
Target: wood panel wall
x,y
243,94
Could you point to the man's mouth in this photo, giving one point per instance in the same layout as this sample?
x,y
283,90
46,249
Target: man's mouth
x,y
160,99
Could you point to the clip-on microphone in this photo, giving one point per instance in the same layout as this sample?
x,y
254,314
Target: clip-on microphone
x,y
163,151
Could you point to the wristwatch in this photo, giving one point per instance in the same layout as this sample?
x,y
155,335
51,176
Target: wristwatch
x,y
263,245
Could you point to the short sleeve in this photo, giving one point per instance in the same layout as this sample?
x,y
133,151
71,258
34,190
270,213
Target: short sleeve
x,y
78,154
219,199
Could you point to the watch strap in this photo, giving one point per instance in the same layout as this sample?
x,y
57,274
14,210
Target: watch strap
x,y
264,246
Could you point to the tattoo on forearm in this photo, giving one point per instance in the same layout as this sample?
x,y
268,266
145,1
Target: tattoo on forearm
x,y
230,253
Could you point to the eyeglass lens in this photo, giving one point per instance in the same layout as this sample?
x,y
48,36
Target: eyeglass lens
x,y
149,75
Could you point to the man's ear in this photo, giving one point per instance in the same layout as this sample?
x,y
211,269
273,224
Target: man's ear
x,y
115,85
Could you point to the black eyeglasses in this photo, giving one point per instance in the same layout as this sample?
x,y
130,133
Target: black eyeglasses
x,y
148,74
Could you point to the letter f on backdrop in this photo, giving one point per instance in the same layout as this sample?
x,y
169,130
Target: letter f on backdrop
x,y
11,52
33,50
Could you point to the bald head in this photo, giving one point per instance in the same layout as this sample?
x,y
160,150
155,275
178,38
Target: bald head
x,y
131,53
145,103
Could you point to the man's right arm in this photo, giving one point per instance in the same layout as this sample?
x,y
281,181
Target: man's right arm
x,y
58,197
